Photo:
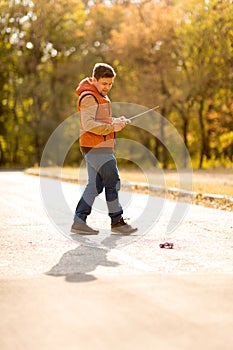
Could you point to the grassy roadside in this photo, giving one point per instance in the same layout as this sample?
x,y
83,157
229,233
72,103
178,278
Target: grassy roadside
x,y
216,182
213,188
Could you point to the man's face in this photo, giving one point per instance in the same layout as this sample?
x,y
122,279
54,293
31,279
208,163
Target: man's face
x,y
103,85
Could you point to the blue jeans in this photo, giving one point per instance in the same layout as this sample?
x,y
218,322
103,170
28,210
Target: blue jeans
x,y
102,173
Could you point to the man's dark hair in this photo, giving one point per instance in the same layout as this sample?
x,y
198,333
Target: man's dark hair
x,y
103,70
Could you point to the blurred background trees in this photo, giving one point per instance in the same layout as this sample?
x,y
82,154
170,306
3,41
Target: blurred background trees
x,y
178,54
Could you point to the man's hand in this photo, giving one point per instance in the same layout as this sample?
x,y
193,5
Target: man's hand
x,y
120,123
125,120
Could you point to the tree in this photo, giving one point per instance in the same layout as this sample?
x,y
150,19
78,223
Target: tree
x,y
44,50
205,58
175,54
145,60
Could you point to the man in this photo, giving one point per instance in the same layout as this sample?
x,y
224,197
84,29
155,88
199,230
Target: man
x,y
97,142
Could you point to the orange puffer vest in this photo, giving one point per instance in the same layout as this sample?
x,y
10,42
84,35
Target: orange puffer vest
x,y
103,114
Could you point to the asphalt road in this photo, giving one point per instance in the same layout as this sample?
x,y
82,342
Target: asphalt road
x,y
110,292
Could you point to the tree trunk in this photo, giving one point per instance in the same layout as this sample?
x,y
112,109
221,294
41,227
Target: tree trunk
x,y
185,132
163,144
203,136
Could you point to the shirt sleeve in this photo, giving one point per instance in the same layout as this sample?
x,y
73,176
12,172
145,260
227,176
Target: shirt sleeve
x,y
88,109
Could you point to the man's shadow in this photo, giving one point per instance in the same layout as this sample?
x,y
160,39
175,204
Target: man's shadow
x,y
77,264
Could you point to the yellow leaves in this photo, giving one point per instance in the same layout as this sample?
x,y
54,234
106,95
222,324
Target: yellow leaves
x,y
226,139
3,143
45,106
177,55
8,45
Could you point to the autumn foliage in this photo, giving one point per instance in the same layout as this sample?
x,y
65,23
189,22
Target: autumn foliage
x,y
177,54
